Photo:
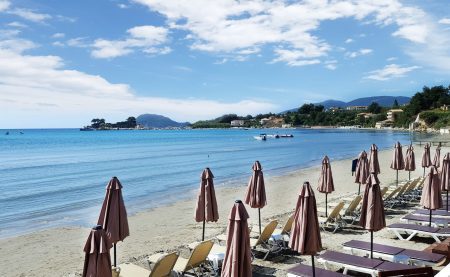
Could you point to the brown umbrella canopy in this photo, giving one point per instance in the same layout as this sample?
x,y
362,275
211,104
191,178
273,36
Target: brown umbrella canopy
x,y
97,262
206,209
410,160
431,193
326,184
305,233
426,156
113,215
437,157
256,192
445,173
397,159
374,165
372,209
362,169
237,261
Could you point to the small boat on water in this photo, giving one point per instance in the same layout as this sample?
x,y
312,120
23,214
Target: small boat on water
x,y
261,137
7,133
287,136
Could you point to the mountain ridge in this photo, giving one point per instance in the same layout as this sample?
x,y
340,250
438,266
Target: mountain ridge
x,y
158,121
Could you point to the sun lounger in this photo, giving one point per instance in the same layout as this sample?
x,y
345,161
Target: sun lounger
x,y
306,271
443,213
387,252
351,213
425,219
445,272
265,242
359,264
162,267
283,235
197,258
389,200
416,272
334,219
413,229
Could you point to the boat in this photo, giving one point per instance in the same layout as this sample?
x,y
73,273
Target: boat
x,y
87,128
287,136
7,133
261,137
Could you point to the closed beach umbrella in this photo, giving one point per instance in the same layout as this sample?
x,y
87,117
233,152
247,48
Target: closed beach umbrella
x,y
113,215
362,170
431,193
237,261
437,157
372,209
397,159
410,160
445,175
206,209
426,157
305,233
256,191
97,261
374,165
326,184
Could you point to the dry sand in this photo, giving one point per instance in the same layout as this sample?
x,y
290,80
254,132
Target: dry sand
x,y
59,252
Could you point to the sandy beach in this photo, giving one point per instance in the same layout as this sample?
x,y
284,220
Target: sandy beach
x,y
59,252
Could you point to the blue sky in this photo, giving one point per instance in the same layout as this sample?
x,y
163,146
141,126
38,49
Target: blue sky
x,y
63,63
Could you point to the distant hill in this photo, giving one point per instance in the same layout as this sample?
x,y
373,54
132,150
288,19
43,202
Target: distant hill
x,y
158,121
384,101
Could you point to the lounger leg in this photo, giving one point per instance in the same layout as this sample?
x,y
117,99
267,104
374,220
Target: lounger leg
x,y
345,271
413,234
436,238
399,236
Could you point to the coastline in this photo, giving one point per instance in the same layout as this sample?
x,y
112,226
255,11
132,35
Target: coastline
x,y
60,250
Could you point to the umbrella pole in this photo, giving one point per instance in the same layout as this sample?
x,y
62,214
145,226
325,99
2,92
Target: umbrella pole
x,y
313,267
115,256
259,217
371,244
326,204
447,201
359,189
203,234
409,175
397,177
430,219
423,171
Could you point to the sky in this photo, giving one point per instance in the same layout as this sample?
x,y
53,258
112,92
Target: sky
x,y
63,63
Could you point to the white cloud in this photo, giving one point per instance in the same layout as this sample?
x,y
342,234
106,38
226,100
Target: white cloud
x,y
30,15
58,44
234,26
331,64
360,52
349,40
148,39
390,59
39,91
122,6
4,5
17,24
445,21
78,42
389,72
58,35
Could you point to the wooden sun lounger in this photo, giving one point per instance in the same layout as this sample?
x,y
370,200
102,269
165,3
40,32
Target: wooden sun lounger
x,y
359,264
413,229
425,219
163,267
387,252
302,270
416,272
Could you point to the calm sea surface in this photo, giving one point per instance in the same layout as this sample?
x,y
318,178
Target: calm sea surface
x,y
57,177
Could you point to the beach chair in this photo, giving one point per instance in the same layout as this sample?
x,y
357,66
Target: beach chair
x,y
162,267
425,219
334,219
439,213
389,253
283,235
383,191
416,272
351,213
302,270
389,200
411,230
359,264
197,258
265,240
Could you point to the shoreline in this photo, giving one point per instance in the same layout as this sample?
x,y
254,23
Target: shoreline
x,y
171,226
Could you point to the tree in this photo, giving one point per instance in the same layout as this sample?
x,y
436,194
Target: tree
x,y
97,123
395,105
374,108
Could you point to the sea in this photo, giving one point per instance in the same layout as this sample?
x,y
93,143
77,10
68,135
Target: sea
x,y
57,177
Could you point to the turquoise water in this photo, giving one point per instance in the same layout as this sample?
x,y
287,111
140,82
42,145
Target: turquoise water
x,y
57,177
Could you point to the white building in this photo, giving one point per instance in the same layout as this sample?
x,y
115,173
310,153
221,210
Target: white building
x,y
237,123
356,108
392,114
264,121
